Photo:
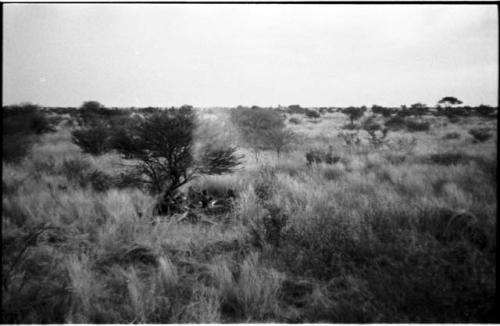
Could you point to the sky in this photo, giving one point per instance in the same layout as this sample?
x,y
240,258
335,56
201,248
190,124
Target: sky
x,y
209,55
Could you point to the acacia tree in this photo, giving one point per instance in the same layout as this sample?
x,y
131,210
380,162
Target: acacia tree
x,y
354,113
162,145
261,129
449,101
279,139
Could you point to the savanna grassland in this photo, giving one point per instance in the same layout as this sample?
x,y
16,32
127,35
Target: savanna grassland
x,y
383,218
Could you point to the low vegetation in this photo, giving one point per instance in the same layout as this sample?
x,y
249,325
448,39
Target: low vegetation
x,y
234,216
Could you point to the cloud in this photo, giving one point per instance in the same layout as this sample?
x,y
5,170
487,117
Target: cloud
x,y
210,55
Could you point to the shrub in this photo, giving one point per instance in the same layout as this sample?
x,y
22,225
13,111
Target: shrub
x,y
350,126
279,139
350,139
312,114
395,123
128,179
480,134
378,139
20,126
416,125
453,112
219,160
75,166
99,181
295,108
80,172
418,109
294,121
449,158
262,129
94,140
451,135
16,147
485,110
354,113
370,125
386,112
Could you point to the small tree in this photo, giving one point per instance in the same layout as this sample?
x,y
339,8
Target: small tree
x,y
92,106
279,139
449,101
255,125
354,113
91,112
418,109
386,112
162,144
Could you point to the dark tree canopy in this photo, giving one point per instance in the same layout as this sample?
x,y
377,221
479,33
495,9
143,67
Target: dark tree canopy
x,y
449,100
91,106
354,113
162,143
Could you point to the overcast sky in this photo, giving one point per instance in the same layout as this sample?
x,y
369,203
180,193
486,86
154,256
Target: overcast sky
x,y
226,55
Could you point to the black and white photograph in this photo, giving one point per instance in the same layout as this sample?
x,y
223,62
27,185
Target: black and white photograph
x,y
249,162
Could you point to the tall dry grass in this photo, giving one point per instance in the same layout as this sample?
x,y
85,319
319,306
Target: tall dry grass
x,y
384,235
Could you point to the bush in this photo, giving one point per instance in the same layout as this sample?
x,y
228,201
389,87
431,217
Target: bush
x,y
354,113
480,134
295,108
16,147
370,125
385,112
94,140
395,123
416,125
80,172
485,110
454,112
350,126
450,158
262,129
219,159
75,166
418,109
294,121
451,135
99,181
20,126
312,114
